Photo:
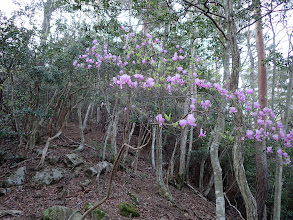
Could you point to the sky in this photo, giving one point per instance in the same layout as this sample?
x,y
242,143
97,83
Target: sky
x,y
7,6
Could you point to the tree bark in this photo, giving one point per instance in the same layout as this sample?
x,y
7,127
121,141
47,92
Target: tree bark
x,y
260,153
279,167
163,188
249,200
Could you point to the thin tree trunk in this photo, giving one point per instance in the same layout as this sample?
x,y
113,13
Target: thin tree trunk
x,y
260,155
170,172
153,147
82,124
279,167
163,188
249,201
182,163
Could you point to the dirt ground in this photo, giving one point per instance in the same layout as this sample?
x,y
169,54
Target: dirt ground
x,y
76,189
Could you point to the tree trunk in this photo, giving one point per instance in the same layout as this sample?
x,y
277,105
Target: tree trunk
x,y
249,201
214,149
182,164
279,167
82,124
260,151
163,188
153,147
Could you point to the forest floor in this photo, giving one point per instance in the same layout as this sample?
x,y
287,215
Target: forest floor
x,y
76,189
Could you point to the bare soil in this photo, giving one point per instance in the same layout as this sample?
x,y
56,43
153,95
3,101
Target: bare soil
x,y
76,188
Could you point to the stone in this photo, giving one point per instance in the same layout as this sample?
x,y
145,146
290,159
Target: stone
x,y
53,160
60,213
3,191
10,212
72,160
48,177
16,178
98,168
128,210
5,156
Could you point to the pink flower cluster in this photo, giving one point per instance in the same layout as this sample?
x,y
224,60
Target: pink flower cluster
x,y
264,126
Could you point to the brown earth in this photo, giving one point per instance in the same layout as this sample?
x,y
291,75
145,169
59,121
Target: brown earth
x,y
74,190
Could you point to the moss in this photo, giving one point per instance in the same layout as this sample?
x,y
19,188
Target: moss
x,y
98,214
128,210
133,198
47,214
88,206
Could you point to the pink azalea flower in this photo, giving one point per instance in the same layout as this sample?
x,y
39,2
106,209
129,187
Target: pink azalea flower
x,y
169,89
249,134
190,120
148,35
182,122
279,125
160,119
269,149
138,76
249,91
193,100
177,46
260,122
275,137
74,63
179,69
192,106
280,152
256,105
175,57
184,72
285,154
201,133
150,82
232,110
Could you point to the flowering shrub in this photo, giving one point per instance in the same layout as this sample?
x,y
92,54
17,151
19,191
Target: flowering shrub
x,y
148,65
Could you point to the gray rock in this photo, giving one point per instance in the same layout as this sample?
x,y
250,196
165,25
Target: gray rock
x,y
72,160
53,160
60,213
3,191
16,178
4,156
38,151
48,177
10,212
98,168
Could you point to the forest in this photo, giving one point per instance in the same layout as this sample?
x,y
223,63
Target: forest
x,y
146,109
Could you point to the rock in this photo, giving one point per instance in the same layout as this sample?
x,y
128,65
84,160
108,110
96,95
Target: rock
x,y
10,212
98,168
98,214
53,160
60,213
4,156
16,178
128,210
72,160
39,152
3,191
48,177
